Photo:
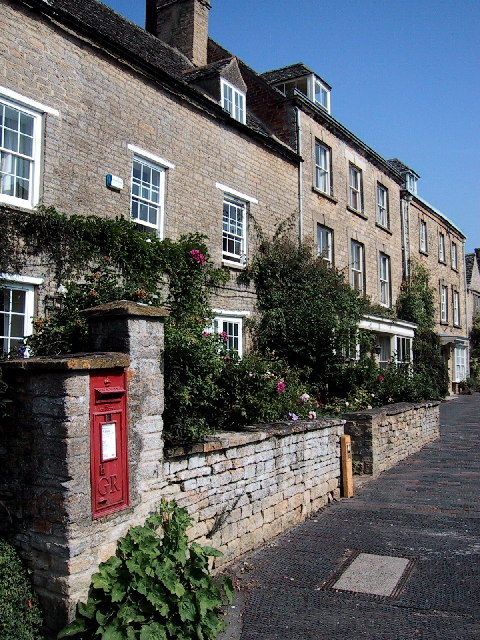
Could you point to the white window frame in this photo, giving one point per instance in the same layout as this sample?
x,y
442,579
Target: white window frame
x,y
403,352
325,243
460,363
235,318
441,247
385,355
383,218
384,278
357,266
443,303
323,171
423,236
232,235
233,101
355,195
411,183
454,255
456,308
36,111
155,163
27,285
322,89
239,198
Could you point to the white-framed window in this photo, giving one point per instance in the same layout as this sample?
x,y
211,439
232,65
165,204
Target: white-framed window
x,y
443,303
322,94
323,175
384,276
403,354
231,326
423,236
411,183
20,150
147,196
325,243
355,196
234,234
460,363
385,344
16,310
441,247
454,255
456,308
357,266
382,206
233,101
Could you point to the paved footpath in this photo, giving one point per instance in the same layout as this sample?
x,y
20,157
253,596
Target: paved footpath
x,y
425,512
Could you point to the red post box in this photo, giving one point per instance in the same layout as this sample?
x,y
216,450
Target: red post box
x,y
108,442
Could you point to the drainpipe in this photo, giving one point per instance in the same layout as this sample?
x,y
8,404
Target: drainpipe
x,y
406,198
300,177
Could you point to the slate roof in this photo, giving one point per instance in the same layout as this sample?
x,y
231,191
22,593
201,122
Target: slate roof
x,y
400,167
469,262
106,27
209,71
284,74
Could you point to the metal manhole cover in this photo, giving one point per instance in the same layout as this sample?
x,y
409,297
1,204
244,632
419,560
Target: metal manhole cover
x,y
372,574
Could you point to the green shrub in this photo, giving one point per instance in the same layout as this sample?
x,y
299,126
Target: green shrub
x,y
154,588
20,617
308,312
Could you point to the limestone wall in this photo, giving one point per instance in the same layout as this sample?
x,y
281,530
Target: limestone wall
x,y
244,488
384,436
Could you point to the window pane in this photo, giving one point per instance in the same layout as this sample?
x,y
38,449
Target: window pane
x,y
18,301
4,300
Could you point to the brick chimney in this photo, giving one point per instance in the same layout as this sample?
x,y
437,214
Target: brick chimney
x,y
183,24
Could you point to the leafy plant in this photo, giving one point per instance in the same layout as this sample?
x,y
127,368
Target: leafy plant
x,y
20,617
156,587
4,401
308,312
416,303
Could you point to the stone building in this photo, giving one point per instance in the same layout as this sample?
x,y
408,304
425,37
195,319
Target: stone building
x,y
167,127
472,270
434,241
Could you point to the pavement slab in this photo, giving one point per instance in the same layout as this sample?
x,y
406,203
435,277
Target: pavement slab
x,y
424,512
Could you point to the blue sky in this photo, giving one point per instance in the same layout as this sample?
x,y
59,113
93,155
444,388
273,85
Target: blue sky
x,y
405,77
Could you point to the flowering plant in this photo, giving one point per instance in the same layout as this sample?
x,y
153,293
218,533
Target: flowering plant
x,y
198,256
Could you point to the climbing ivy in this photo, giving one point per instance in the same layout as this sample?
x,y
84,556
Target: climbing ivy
x,y
416,303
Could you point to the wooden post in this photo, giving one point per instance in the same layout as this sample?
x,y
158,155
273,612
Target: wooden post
x,y
346,457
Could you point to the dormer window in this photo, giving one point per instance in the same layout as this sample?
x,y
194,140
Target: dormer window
x,y
322,94
311,86
411,183
233,101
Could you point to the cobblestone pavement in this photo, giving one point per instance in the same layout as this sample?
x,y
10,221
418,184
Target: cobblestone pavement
x,y
425,509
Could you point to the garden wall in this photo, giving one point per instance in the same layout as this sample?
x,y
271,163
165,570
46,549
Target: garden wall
x,y
384,436
244,488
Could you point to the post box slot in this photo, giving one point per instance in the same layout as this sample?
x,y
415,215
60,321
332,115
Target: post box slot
x,y
108,394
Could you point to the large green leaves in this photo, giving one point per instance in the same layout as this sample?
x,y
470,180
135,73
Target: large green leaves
x,y
156,587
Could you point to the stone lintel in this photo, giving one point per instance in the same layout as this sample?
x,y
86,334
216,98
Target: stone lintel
x,y
125,309
69,362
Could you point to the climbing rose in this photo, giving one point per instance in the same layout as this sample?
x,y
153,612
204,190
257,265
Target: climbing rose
x,y
312,415
224,336
197,256
380,378
304,397
281,386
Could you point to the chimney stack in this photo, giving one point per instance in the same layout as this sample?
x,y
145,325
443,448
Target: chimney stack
x,y
183,24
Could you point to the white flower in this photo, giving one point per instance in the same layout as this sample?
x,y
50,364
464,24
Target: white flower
x,y
304,397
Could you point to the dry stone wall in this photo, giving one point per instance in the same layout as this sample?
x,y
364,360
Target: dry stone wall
x,y
244,488
384,436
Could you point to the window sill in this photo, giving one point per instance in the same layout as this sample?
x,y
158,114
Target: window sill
x,y
444,323
360,214
327,196
233,265
455,269
442,262
423,252
386,229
